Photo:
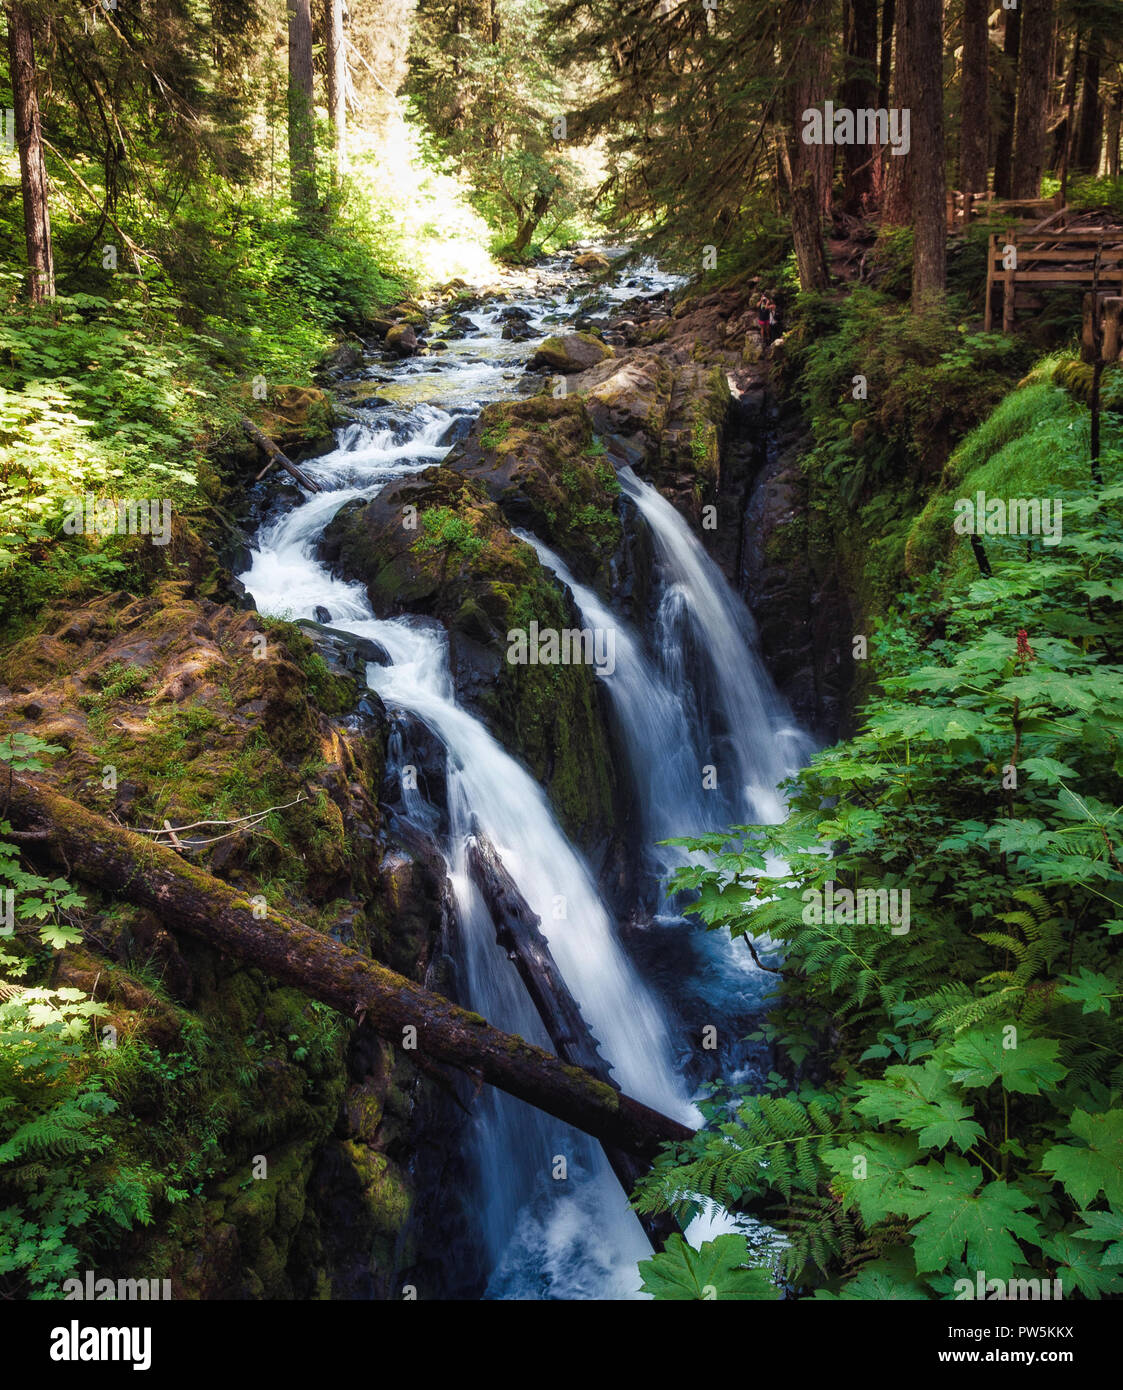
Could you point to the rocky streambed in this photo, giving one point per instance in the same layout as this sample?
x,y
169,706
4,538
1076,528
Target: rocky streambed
x,y
499,463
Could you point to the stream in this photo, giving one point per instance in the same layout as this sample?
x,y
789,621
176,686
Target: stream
x,y
689,692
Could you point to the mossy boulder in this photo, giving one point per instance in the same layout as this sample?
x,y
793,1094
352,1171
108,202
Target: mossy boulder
x,y
569,352
665,417
540,461
592,261
402,340
437,545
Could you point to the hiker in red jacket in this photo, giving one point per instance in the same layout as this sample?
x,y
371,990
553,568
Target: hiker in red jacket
x,y
766,319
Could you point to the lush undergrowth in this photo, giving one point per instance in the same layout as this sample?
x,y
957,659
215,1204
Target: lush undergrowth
x,y
125,384
945,1105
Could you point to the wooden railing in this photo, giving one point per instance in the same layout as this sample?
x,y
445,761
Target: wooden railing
x,y
963,208
1051,259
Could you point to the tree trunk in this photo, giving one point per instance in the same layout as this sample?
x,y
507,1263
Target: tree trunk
x,y
807,235
274,455
302,120
529,225
974,99
806,168
1004,150
1061,137
885,64
1034,63
860,92
187,897
920,57
517,931
336,60
33,171
1113,127
1089,118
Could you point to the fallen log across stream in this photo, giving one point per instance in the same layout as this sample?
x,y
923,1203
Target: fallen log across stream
x,y
275,455
188,898
518,931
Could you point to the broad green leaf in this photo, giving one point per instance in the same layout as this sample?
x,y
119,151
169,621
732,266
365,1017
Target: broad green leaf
x,y
958,1210
714,1271
1094,1166
980,1059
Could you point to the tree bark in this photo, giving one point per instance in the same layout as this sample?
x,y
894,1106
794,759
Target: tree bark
x,y
920,56
974,98
1004,150
517,931
1032,112
301,99
885,63
860,92
529,224
1089,117
154,876
33,170
1063,132
336,60
806,168
1112,129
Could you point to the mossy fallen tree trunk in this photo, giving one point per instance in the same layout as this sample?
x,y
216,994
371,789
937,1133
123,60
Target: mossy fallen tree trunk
x,y
187,897
517,930
275,455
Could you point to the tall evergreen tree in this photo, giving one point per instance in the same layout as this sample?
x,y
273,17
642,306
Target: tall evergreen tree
x,y
302,117
29,137
974,101
1032,111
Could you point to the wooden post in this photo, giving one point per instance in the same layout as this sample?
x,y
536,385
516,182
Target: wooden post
x,y
1009,290
988,322
1088,351
1113,329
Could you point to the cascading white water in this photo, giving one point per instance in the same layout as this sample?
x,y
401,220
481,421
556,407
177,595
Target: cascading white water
x,y
699,613
516,1145
548,1238
663,744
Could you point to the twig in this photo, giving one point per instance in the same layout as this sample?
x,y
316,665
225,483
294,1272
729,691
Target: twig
x,y
234,820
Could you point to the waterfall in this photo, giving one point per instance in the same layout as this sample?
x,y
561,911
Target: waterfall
x,y
549,1235
699,614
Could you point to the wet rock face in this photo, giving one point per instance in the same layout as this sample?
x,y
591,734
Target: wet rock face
x,y
436,545
540,462
664,418
571,352
792,582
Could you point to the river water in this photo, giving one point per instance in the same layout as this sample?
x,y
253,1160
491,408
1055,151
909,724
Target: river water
x,y
689,694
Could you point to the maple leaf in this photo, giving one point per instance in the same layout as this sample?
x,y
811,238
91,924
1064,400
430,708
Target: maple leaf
x,y
957,1209
713,1271
982,1060
1104,1226
921,1099
1097,1165
1081,1267
882,1160
1090,989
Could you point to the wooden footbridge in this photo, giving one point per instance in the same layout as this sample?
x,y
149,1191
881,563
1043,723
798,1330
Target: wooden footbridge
x,y
1091,261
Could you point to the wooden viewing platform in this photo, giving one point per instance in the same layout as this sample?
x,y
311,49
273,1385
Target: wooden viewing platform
x,y
1052,259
